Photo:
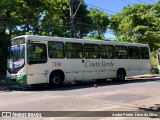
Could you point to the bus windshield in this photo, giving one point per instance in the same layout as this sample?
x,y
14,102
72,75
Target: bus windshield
x,y
16,57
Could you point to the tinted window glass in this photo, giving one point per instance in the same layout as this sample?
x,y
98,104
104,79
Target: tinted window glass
x,y
121,52
134,53
56,49
74,50
91,51
107,51
37,53
144,53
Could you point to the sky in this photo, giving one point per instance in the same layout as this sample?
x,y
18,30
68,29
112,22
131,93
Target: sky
x,y
114,6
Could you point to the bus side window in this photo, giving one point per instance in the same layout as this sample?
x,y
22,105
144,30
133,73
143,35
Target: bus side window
x,y
133,52
56,49
91,51
74,50
144,52
107,51
121,52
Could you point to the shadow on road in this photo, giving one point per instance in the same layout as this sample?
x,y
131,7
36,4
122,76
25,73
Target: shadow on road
x,y
81,85
153,111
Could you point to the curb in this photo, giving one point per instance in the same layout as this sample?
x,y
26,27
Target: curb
x,y
144,76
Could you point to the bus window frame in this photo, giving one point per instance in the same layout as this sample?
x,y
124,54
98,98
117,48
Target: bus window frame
x,y
142,53
37,60
92,51
116,52
108,57
133,57
63,51
82,51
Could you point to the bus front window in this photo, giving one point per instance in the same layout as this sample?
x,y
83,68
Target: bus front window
x,y
16,58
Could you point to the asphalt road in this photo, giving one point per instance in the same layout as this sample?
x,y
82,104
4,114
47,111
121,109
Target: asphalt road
x,y
130,95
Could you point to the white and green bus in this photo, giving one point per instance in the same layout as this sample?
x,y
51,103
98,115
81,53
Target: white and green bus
x,y
54,60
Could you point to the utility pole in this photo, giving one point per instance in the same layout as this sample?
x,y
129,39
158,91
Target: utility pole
x,y
72,15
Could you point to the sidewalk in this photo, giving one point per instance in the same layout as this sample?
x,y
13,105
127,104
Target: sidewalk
x,y
144,76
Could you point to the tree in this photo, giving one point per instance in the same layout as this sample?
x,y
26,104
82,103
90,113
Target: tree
x,y
82,20
26,16
138,23
17,17
49,17
56,20
4,37
100,22
53,21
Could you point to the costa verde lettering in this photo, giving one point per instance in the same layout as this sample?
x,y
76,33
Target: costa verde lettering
x,y
99,64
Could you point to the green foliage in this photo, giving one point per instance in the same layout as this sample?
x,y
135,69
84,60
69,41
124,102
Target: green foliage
x,y
82,21
93,37
50,17
53,20
47,17
100,23
154,59
138,23
5,40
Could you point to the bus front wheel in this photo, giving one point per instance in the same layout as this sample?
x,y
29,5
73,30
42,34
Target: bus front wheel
x,y
56,79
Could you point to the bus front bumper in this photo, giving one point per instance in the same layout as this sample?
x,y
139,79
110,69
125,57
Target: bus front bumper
x,y
22,80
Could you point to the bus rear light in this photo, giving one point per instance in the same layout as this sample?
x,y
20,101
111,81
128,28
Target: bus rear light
x,y
20,81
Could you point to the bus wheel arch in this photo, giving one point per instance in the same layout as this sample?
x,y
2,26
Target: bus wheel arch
x,y
56,78
121,74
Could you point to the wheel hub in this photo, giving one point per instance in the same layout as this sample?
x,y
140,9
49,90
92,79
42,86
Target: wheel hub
x,y
56,80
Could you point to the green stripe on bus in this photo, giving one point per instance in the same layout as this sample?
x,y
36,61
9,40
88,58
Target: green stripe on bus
x,y
22,78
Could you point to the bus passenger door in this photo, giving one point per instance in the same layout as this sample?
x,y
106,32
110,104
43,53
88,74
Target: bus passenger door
x,y
145,60
74,61
134,65
37,63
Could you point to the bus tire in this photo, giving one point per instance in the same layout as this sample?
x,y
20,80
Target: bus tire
x,y
56,79
121,75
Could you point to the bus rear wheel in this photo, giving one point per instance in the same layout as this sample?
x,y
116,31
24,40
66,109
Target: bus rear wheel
x,y
120,75
56,79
